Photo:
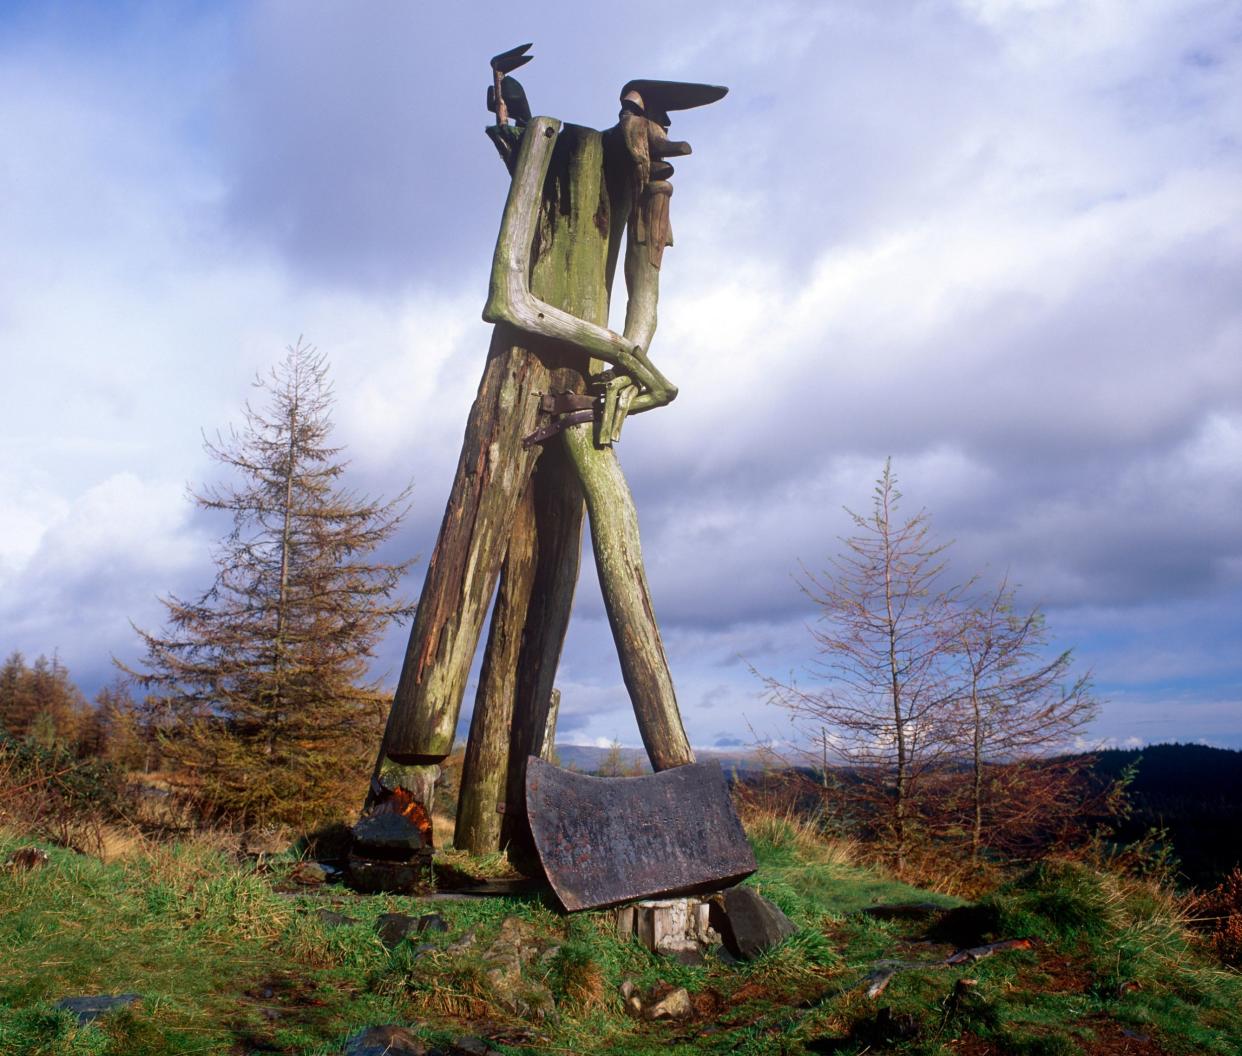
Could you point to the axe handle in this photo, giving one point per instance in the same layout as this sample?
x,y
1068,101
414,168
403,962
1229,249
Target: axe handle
x,y
502,111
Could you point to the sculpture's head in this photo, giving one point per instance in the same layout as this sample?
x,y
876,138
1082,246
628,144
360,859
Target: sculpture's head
x,y
645,105
644,124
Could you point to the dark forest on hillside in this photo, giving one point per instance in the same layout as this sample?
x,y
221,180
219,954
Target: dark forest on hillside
x,y
1190,791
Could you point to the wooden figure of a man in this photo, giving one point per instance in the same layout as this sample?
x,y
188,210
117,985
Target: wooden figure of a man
x,y
556,391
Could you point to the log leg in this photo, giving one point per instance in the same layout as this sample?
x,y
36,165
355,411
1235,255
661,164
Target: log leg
x,y
558,520
548,752
491,475
485,768
627,598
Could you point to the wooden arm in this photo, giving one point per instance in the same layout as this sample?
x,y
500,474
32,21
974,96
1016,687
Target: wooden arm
x,y
509,298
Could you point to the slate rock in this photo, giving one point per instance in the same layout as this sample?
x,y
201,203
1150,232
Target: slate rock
x,y
88,1009
470,1045
748,923
393,927
373,877
464,942
966,926
385,1041
332,919
389,831
431,923
903,911
516,946
688,954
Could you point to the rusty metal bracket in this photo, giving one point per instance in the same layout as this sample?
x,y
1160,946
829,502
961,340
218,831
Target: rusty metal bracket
x,y
546,432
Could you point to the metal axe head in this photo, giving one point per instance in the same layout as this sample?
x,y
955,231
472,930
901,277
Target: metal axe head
x,y
606,840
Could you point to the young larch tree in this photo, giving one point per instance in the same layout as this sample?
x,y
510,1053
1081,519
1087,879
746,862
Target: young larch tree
x,y
1018,706
885,638
267,707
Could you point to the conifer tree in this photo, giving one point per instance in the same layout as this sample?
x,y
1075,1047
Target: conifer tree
x,y
260,687
884,678
39,701
1018,704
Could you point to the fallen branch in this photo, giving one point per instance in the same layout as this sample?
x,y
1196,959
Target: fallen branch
x,y
883,972
977,953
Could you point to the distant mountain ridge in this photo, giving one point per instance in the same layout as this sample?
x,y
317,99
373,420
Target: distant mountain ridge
x,y
1190,792
589,758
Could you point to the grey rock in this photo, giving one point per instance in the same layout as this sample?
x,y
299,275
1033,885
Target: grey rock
x,y
463,942
371,876
88,1009
516,946
385,1041
332,919
470,1045
903,911
748,923
689,955
393,927
431,923
388,831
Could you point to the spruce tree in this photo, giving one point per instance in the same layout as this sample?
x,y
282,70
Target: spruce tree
x,y
260,687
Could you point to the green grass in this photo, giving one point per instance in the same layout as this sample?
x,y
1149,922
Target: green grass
x,y
227,964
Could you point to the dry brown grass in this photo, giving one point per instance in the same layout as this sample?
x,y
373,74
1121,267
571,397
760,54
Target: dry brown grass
x,y
783,825
584,987
1218,913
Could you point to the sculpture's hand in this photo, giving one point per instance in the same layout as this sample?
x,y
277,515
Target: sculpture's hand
x,y
617,392
658,391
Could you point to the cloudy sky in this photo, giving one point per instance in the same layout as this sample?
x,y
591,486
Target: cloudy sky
x,y
998,240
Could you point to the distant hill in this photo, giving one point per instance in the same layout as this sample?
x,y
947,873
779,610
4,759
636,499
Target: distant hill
x,y
589,759
1193,792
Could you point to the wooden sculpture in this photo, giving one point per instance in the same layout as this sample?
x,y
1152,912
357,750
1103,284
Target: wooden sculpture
x,y
557,388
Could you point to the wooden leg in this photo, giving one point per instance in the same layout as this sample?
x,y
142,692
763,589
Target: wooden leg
x,y
627,598
492,473
558,521
485,769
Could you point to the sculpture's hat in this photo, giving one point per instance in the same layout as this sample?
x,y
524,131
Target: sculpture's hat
x,y
659,97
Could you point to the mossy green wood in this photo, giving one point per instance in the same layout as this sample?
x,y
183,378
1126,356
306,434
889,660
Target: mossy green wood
x,y
569,260
569,235
485,767
571,271
492,473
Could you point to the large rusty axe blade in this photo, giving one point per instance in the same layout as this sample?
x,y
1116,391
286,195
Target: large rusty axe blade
x,y
606,840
